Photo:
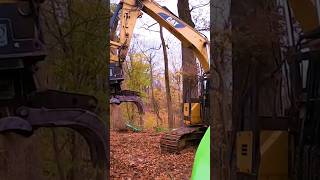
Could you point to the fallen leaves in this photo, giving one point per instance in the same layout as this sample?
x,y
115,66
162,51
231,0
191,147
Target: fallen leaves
x,y
137,156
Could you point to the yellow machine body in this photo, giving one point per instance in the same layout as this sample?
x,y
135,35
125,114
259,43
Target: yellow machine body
x,y
244,151
192,113
273,152
274,155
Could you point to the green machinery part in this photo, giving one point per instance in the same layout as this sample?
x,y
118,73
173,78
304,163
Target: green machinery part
x,y
201,165
133,128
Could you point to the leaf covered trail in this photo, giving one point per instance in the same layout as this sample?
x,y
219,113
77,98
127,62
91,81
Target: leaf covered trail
x,y
138,156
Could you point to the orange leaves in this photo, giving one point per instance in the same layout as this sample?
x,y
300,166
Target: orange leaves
x,y
137,156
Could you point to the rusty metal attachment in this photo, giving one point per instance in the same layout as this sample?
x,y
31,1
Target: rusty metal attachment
x,y
54,109
84,122
128,96
15,124
118,95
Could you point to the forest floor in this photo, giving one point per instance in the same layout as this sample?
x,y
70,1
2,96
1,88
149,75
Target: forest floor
x,y
138,156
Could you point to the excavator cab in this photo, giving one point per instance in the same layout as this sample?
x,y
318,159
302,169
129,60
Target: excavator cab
x,y
192,112
196,110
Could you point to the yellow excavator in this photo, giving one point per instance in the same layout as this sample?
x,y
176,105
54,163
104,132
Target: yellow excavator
x,y
195,111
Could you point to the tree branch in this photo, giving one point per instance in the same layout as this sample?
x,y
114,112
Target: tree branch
x,y
199,6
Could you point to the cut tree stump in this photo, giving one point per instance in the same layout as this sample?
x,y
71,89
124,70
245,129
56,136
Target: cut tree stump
x,y
19,157
116,118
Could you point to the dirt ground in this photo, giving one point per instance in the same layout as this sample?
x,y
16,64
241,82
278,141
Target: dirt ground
x,y
137,156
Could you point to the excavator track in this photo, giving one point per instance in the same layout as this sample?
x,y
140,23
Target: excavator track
x,y
177,139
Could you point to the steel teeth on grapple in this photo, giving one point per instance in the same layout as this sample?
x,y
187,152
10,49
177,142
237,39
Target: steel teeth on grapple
x,y
176,140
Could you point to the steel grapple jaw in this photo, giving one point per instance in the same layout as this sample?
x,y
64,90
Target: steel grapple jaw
x,y
128,96
52,109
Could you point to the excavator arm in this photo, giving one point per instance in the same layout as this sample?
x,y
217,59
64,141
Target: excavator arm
x,y
131,10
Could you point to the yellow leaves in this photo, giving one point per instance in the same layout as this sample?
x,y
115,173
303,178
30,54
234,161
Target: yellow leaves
x,y
150,120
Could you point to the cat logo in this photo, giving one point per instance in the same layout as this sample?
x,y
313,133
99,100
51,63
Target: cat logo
x,y
172,21
175,23
3,35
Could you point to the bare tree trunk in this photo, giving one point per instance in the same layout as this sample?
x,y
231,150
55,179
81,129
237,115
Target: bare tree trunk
x,y
57,155
221,89
74,156
155,104
189,65
166,74
116,117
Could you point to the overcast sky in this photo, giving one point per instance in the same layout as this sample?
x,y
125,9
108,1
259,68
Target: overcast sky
x,y
152,39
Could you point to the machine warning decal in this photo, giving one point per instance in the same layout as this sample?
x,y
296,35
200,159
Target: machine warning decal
x,y
172,21
3,35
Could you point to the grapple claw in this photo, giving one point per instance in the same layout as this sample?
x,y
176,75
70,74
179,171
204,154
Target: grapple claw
x,y
128,96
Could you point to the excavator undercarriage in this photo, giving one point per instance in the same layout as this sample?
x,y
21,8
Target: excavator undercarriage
x,y
196,121
178,139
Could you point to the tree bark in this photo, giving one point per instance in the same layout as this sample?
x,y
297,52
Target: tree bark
x,y
57,155
155,104
19,157
116,117
166,74
189,65
221,86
